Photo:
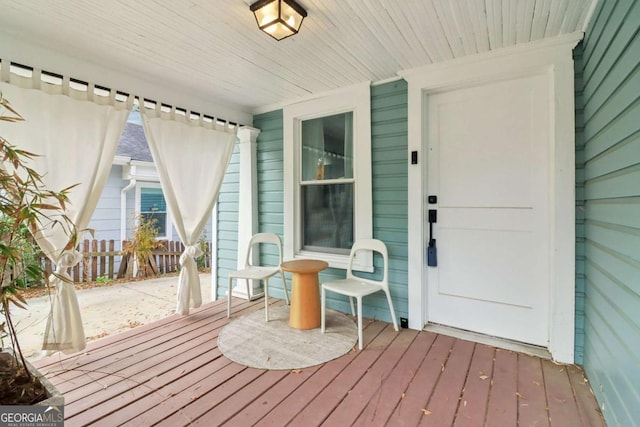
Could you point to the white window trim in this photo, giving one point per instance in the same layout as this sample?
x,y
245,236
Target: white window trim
x,y
138,195
355,98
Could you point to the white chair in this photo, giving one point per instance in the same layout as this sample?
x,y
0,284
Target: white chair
x,y
357,287
259,272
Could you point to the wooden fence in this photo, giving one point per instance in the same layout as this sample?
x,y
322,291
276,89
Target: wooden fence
x,y
100,259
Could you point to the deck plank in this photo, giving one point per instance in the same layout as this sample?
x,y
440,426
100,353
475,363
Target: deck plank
x,y
590,414
473,406
149,394
200,404
379,410
323,378
368,389
267,401
325,402
171,373
70,373
532,401
416,398
446,397
563,409
234,404
503,398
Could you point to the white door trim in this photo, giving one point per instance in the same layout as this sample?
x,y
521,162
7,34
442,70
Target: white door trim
x,y
554,57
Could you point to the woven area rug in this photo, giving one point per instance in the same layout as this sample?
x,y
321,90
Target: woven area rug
x,y
251,341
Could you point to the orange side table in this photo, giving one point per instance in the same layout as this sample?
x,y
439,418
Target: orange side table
x,y
305,292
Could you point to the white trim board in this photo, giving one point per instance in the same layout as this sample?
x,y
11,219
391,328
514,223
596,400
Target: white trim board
x,y
552,57
488,340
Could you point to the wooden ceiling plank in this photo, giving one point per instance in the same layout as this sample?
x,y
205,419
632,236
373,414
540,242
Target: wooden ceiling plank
x,y
494,23
365,60
540,19
445,17
525,21
480,25
463,20
381,28
423,33
509,22
572,17
412,35
556,15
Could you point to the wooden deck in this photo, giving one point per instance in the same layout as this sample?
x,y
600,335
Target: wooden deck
x,y
171,373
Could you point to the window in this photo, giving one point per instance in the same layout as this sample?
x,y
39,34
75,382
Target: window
x,y
154,207
327,163
326,188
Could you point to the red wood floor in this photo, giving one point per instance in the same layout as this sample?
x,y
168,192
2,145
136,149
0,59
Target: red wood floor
x,y
171,373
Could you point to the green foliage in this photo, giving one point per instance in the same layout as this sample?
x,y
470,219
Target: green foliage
x,y
23,243
104,279
202,243
143,244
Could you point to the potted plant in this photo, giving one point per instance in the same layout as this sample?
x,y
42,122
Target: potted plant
x,y
25,203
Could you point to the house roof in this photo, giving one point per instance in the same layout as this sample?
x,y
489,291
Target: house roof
x,y
213,50
133,143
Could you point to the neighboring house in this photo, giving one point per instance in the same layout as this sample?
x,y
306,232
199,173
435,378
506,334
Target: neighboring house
x,y
133,188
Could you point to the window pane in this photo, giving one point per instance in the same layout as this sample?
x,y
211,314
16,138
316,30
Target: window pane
x,y
151,200
154,206
327,147
160,223
327,217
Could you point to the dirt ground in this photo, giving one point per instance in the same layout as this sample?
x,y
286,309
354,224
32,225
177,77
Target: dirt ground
x,y
106,309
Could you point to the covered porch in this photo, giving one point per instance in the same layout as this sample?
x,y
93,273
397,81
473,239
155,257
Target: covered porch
x,y
170,372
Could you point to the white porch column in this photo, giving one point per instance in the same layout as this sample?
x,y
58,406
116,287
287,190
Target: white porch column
x,y
247,207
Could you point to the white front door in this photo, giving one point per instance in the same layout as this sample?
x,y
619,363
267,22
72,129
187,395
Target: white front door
x,y
488,165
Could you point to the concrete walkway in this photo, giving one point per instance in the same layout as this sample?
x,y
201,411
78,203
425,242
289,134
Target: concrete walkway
x,y
106,310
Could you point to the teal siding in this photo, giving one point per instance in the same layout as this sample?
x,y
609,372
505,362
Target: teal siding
x,y
580,208
390,199
389,175
608,188
271,189
227,209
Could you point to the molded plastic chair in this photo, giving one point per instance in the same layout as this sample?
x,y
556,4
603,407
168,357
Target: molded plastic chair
x,y
357,287
259,272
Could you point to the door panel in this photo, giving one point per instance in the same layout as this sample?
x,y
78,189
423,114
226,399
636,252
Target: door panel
x,y
488,164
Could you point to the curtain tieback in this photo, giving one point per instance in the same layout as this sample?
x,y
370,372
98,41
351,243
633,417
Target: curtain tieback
x,y
65,261
191,251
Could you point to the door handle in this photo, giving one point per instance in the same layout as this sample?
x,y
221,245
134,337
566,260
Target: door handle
x,y
432,250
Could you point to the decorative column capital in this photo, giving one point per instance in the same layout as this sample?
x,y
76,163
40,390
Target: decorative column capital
x,y
248,134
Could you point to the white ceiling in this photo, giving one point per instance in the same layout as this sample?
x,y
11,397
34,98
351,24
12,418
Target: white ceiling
x,y
213,49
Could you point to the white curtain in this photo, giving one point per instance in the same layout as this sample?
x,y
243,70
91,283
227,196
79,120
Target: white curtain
x,y
191,157
75,132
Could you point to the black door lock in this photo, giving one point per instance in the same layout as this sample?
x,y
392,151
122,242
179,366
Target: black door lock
x,y
432,250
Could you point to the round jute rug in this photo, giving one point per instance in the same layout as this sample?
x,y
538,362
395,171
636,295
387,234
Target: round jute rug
x,y
251,341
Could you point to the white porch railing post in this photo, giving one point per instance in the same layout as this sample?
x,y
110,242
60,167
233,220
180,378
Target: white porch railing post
x,y
247,206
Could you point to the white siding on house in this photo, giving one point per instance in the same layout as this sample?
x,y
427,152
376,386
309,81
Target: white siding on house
x,y
106,219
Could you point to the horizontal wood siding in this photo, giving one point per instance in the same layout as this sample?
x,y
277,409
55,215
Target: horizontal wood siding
x,y
271,189
580,259
389,170
389,174
227,206
105,220
611,135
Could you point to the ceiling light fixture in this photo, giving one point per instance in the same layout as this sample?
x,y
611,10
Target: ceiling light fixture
x,y
278,18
